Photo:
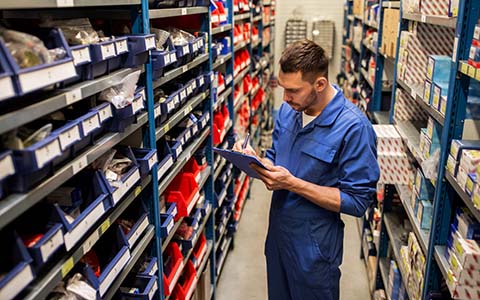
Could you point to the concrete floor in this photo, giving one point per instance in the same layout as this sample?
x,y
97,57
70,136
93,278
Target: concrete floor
x,y
244,273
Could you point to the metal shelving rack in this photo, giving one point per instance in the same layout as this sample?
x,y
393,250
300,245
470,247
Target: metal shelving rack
x,y
151,187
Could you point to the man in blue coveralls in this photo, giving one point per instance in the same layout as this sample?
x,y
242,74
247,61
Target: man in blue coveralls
x,y
322,163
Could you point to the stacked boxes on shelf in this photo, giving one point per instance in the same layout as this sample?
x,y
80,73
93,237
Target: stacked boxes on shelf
x,y
436,83
445,8
421,201
413,264
395,288
408,109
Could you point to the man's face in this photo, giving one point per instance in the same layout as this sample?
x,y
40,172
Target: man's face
x,y
299,94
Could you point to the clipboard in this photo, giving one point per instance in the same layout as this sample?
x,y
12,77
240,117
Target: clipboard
x,y
241,161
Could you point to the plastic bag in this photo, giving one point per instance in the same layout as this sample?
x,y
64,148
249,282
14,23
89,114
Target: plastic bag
x,y
430,165
161,37
76,31
180,37
79,287
122,94
27,50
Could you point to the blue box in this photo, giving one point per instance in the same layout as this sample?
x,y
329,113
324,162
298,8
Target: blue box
x,y
194,222
176,148
95,203
438,68
206,208
68,135
466,224
138,212
111,242
124,117
19,272
146,158
424,214
121,50
7,169
139,47
148,266
144,288
165,158
167,223
160,60
30,79
473,108
100,54
129,179
6,79
424,188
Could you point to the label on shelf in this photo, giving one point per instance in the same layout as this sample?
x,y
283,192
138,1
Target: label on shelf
x,y
65,3
162,170
471,71
105,113
152,160
6,167
170,106
423,18
184,11
46,153
125,187
81,56
173,57
150,42
90,124
73,236
87,246
122,46
69,137
153,290
67,266
464,68
157,111
166,59
137,104
73,96
186,50
108,51
477,74
183,94
184,68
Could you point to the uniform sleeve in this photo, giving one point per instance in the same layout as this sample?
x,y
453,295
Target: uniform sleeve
x,y
359,170
271,153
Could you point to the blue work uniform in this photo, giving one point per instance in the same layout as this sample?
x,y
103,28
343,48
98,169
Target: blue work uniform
x,y
304,245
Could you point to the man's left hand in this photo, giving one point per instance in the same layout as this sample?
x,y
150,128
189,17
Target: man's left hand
x,y
275,178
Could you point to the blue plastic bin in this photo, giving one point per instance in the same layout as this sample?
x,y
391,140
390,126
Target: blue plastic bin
x,y
139,47
165,158
146,158
145,287
125,117
138,212
100,53
81,60
121,51
166,225
6,81
148,266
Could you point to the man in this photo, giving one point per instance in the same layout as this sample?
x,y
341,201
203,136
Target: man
x,y
322,163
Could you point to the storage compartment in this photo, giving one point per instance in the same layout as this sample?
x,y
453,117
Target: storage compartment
x,y
15,265
121,50
199,251
187,283
30,79
146,158
42,237
7,169
160,60
172,267
125,116
166,224
110,255
139,47
165,158
78,206
184,191
133,222
189,225
6,80
138,287
100,53
147,266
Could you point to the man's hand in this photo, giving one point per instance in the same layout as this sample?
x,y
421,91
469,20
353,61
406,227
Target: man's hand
x,y
276,177
248,150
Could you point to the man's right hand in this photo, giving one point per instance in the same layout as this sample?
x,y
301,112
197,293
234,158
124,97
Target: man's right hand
x,y
248,150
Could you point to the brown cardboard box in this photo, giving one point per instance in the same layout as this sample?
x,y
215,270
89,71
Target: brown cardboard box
x,y
390,31
358,7
204,287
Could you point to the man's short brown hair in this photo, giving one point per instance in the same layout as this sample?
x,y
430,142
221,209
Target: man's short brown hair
x,y
307,57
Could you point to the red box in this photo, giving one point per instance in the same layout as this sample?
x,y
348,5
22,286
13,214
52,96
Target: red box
x,y
184,192
187,284
173,254
199,251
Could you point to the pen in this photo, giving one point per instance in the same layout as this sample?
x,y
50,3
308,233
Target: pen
x,y
245,142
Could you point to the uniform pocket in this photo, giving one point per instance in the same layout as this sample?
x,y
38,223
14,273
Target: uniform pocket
x,y
327,235
319,151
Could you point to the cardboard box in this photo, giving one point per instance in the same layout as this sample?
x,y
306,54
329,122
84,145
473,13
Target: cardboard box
x,y
358,7
427,92
470,184
476,196
443,106
434,130
438,68
390,31
389,140
470,160
459,291
467,252
458,146
424,214
452,166
408,109
440,90
394,169
435,7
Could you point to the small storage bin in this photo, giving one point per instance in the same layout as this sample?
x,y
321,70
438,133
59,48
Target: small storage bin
x,y
167,223
138,215
206,208
194,223
187,283
7,169
15,264
146,158
176,148
139,47
129,179
147,266
68,135
125,116
6,80
41,237
193,168
161,60
170,104
121,50
30,79
92,207
113,254
199,251
138,287
100,53
184,191
201,84
203,121
172,267
183,54
179,134
220,192
165,158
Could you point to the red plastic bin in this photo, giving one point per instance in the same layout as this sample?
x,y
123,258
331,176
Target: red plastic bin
x,y
199,251
187,284
184,192
172,267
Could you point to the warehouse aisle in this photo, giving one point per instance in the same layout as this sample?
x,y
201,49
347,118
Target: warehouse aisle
x,y
244,275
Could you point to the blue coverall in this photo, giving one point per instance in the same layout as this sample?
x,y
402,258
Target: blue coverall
x,y
304,245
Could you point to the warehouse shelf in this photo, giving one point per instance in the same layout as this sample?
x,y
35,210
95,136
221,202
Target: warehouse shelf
x,y
221,98
469,70
391,4
30,4
257,18
241,45
169,238
179,115
221,29
416,92
411,136
176,12
254,92
180,70
199,231
463,195
60,99
392,224
14,205
370,48
240,17
135,256
241,75
220,202
238,102
221,262
182,160
221,60
434,20
384,266
381,117
371,83
422,235
40,288
373,25
219,168
440,257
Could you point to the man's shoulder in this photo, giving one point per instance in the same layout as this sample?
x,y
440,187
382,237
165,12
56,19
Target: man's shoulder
x,y
353,115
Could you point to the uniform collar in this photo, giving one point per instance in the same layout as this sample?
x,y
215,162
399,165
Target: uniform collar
x,y
332,110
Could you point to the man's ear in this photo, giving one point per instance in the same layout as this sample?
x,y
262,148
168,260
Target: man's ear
x,y
320,84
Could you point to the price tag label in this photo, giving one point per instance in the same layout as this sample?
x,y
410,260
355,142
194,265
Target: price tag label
x,y
122,46
105,225
65,3
166,128
477,75
471,71
150,42
464,68
184,11
138,190
79,165
81,56
166,59
184,68
67,266
73,96
108,51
